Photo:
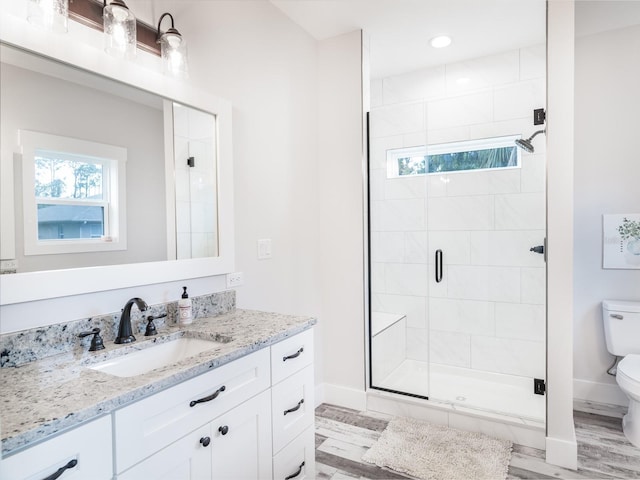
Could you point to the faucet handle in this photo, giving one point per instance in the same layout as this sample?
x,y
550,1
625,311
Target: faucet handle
x,y
96,341
151,328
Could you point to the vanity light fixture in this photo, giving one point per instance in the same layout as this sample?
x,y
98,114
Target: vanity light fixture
x,y
173,50
50,14
119,29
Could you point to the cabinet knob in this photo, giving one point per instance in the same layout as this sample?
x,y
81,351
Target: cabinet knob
x,y
224,430
205,441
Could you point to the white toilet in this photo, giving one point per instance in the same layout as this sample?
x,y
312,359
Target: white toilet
x,y
622,333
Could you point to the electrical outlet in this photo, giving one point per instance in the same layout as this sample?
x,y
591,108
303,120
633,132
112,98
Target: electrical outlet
x,y
8,265
234,279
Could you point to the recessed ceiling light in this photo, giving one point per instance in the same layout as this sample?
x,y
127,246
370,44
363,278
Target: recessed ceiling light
x,y
440,41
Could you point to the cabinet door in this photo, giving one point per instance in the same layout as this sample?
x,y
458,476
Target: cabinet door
x,y
298,459
85,451
187,459
241,441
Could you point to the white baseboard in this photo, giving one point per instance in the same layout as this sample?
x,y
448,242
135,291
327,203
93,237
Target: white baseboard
x,y
342,396
563,453
599,392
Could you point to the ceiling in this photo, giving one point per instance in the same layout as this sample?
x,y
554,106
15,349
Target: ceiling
x,y
400,30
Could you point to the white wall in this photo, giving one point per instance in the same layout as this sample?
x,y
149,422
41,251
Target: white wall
x,y
606,173
340,178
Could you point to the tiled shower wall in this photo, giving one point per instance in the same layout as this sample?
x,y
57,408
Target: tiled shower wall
x,y
488,312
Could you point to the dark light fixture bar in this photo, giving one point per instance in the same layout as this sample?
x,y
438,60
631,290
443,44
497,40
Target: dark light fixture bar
x,y
89,13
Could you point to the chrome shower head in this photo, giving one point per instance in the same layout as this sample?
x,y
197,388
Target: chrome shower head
x,y
526,144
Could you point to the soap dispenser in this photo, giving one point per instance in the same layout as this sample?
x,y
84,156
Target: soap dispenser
x,y
184,309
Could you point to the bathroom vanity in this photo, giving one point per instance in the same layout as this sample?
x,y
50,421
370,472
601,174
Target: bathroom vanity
x,y
243,409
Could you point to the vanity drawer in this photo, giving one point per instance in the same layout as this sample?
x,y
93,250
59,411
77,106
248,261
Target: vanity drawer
x,y
292,407
89,445
291,355
148,425
298,457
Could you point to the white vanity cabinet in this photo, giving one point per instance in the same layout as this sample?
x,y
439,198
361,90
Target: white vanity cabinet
x,y
249,419
292,408
236,445
86,450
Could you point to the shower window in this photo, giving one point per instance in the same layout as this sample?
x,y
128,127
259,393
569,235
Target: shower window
x,y
484,154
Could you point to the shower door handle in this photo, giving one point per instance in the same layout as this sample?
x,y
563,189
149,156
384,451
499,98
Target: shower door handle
x,y
438,266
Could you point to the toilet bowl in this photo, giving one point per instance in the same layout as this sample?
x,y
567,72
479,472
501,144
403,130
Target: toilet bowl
x,y
622,334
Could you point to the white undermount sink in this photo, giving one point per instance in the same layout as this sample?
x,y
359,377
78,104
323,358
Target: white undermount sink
x,y
160,355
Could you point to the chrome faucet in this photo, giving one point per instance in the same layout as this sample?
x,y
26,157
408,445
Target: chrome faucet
x,y
125,335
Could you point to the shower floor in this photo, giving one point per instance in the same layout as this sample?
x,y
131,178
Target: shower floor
x,y
490,392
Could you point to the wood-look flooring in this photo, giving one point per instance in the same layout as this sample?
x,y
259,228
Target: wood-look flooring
x,y
343,435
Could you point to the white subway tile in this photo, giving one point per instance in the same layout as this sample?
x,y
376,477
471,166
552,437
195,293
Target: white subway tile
x,y
405,187
515,101
418,344
482,72
437,185
379,147
533,175
417,85
448,135
405,279
484,182
533,62
414,307
506,248
462,316
520,211
377,177
449,348
375,92
404,215
397,120
506,355
533,281
459,111
454,245
415,247
416,139
516,126
520,321
498,284
377,278
387,247
438,289
461,213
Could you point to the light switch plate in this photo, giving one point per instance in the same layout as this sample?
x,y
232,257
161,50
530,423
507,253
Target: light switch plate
x,y
264,248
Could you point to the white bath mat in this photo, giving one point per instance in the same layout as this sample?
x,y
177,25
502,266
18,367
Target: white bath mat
x,y
435,452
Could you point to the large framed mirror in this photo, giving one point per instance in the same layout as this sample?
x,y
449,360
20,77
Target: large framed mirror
x,y
112,175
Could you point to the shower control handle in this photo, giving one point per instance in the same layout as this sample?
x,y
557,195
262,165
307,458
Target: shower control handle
x,y
537,249
438,266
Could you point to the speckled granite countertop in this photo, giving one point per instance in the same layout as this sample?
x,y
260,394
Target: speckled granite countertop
x,y
47,396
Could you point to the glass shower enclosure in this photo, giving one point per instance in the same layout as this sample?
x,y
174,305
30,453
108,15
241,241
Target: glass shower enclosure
x,y
457,224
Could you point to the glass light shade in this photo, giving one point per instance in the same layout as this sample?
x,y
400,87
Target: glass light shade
x,y
173,49
119,30
50,14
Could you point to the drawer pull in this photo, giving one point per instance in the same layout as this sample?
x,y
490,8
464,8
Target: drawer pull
x,y
297,407
294,475
293,355
205,441
224,430
61,470
213,396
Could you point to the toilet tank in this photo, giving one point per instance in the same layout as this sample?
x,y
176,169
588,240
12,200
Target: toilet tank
x,y
621,326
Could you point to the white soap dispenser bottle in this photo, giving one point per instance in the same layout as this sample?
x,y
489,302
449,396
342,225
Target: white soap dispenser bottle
x,y
184,309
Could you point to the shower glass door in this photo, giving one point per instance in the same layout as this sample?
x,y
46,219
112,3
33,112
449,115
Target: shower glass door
x,y
457,295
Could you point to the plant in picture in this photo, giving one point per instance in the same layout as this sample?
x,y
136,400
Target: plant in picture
x,y
629,230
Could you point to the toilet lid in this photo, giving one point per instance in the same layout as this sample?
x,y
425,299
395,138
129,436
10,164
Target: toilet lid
x,y
630,367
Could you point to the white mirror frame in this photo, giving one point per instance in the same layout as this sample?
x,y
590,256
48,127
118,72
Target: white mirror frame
x,y
70,49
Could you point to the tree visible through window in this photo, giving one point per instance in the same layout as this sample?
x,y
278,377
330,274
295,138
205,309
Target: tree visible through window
x,y
454,157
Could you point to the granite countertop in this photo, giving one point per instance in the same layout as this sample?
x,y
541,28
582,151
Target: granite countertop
x,y
47,396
